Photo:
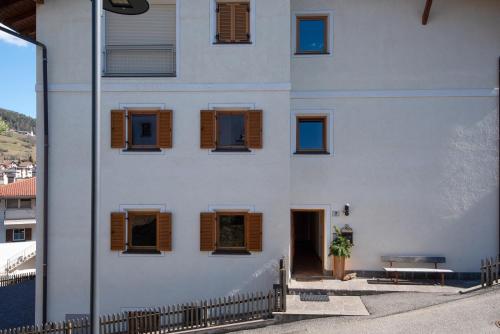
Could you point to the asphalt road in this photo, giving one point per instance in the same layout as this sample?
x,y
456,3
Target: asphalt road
x,y
410,313
17,305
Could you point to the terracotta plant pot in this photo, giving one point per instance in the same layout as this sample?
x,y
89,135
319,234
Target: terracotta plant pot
x,y
339,267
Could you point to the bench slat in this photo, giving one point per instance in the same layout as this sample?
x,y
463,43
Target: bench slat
x,y
417,270
414,259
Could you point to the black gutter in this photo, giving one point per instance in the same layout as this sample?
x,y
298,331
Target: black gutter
x,y
45,163
95,17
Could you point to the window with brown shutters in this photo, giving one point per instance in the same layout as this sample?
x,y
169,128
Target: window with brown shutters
x,y
117,231
230,232
117,128
207,231
141,231
9,235
28,234
233,22
146,130
254,232
231,130
165,232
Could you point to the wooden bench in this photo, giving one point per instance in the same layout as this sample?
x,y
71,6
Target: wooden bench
x,y
415,259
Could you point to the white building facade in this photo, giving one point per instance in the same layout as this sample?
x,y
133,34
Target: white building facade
x,y
224,149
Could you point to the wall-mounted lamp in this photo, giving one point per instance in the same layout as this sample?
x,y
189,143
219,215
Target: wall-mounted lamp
x,y
347,209
126,7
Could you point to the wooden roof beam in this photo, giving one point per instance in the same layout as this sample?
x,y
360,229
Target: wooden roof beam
x,y
427,11
20,17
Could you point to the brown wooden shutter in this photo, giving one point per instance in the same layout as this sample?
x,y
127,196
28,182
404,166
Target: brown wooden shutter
x,y
165,232
254,232
117,129
207,129
27,234
118,231
233,22
9,235
254,129
241,15
207,231
165,129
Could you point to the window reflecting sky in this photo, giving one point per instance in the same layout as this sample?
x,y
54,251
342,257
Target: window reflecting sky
x,y
311,135
312,35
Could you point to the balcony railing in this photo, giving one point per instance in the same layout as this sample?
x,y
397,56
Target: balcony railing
x,y
140,60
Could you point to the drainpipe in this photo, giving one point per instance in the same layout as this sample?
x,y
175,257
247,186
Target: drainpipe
x,y
45,162
94,207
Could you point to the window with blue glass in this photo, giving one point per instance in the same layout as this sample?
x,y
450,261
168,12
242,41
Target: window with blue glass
x,y
312,35
311,134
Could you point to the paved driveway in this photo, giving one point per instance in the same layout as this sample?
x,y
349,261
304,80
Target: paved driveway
x,y
17,305
410,313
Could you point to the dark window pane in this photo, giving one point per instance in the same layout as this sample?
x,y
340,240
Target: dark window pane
x,y
312,35
19,235
231,231
26,203
231,130
143,230
144,130
311,135
12,203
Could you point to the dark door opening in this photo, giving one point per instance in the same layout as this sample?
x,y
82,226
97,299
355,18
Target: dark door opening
x,y
307,243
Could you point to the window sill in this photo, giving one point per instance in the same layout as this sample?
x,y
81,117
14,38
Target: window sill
x,y
231,150
232,43
141,251
142,150
131,75
312,53
231,252
312,153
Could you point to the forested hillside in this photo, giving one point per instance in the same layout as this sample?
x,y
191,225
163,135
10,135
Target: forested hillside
x,y
17,121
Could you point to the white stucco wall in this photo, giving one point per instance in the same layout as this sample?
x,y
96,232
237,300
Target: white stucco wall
x,y
182,180
187,180
64,26
382,44
413,128
414,146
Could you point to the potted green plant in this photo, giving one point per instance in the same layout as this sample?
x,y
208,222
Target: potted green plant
x,y
340,248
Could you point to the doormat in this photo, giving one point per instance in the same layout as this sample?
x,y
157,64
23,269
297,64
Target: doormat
x,y
305,297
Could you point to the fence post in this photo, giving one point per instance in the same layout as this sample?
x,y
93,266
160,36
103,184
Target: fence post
x,y
283,285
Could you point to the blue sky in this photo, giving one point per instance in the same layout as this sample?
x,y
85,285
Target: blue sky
x,y
17,75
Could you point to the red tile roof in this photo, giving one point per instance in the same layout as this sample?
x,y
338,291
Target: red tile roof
x,y
21,188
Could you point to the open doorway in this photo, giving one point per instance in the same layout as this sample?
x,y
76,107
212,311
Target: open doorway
x,y
307,243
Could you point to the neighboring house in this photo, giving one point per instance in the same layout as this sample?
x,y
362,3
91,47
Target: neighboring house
x,y
235,132
12,171
17,225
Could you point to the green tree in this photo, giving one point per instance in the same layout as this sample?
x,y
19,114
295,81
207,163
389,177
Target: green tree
x,y
3,126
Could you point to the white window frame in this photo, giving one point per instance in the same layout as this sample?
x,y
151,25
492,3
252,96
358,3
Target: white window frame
x,y
177,43
329,131
330,38
213,25
14,234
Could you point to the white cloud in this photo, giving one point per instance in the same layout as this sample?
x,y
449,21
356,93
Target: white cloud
x,y
4,37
